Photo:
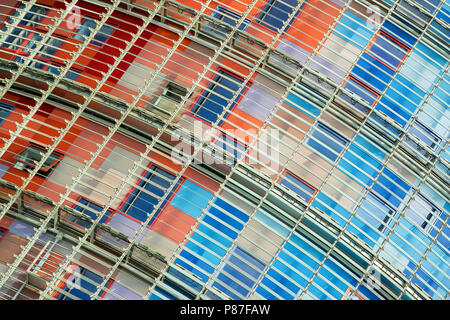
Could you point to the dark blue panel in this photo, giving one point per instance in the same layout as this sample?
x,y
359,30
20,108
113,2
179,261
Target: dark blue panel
x,y
85,285
139,204
99,38
276,12
197,262
91,212
240,265
276,288
398,33
216,97
229,17
230,145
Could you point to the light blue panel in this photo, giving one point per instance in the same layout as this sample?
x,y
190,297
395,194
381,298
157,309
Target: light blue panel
x,y
343,282
301,103
191,199
355,30
329,206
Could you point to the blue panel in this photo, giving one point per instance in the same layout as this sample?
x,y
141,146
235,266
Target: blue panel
x,y
373,215
298,186
373,72
397,99
139,204
5,110
158,292
91,212
280,278
243,267
388,51
214,99
229,17
353,29
292,273
84,284
303,104
326,273
359,162
387,188
99,38
276,288
191,199
326,141
398,33
328,206
231,146
276,12
361,91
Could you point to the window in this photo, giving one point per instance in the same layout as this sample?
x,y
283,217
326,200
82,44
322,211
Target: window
x,y
167,103
33,154
375,212
85,31
425,136
90,209
231,146
21,35
297,185
227,17
423,213
327,141
388,50
32,17
214,99
46,54
276,12
413,13
361,90
238,274
83,279
150,189
3,231
5,110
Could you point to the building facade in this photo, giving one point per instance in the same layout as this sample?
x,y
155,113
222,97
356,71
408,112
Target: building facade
x,y
229,149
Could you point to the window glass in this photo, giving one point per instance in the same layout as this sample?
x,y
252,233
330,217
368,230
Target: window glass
x,y
142,200
276,12
216,97
90,209
326,141
298,186
388,50
5,110
423,213
85,31
238,274
228,17
230,145
361,90
82,279
33,154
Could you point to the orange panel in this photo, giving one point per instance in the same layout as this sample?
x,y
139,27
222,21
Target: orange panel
x,y
312,23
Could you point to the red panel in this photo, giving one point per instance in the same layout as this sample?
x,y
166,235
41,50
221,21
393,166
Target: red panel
x,y
173,224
